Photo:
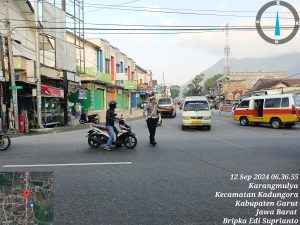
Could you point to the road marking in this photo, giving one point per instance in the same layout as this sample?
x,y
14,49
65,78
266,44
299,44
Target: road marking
x,y
70,164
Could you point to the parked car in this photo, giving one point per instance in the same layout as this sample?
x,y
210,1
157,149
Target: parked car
x,y
166,107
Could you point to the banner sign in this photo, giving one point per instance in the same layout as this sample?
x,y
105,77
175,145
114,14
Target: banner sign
x,y
82,94
52,91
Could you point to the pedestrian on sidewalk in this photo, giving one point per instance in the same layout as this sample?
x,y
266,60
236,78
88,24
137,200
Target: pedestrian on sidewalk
x,y
110,124
152,118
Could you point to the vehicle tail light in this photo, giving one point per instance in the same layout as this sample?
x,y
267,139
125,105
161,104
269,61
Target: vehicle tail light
x,y
294,109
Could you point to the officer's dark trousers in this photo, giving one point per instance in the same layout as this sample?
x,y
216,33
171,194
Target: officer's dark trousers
x,y
151,123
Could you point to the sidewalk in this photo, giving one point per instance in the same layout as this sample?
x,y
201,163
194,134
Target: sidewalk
x,y
136,115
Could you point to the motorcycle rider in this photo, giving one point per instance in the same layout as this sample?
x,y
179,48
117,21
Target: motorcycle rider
x,y
110,124
152,120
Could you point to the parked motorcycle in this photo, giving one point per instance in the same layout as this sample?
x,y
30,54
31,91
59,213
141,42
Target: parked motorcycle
x,y
99,135
4,141
94,118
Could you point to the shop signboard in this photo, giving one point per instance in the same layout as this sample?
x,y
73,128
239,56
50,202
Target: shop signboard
x,y
156,89
143,86
104,77
149,91
132,85
52,91
120,83
88,71
143,91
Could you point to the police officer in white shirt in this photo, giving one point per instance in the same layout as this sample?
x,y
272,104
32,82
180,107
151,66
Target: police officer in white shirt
x,y
152,119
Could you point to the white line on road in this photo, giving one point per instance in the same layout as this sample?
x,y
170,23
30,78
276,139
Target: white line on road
x,y
70,164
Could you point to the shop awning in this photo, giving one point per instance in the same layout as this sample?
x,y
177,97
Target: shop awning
x,y
52,91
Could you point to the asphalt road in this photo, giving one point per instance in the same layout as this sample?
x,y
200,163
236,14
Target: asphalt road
x,y
172,183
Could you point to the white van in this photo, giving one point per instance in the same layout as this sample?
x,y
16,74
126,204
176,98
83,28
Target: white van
x,y
196,112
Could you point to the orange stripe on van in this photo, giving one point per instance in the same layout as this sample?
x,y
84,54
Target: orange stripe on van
x,y
244,112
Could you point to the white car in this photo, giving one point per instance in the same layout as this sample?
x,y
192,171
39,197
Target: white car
x,y
196,112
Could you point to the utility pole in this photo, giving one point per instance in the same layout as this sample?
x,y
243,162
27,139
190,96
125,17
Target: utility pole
x,y
66,86
3,86
11,67
165,88
37,65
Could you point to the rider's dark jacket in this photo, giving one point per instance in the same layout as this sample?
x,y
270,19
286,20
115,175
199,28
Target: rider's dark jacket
x,y
110,117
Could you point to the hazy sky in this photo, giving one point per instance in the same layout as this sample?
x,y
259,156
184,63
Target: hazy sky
x,y
181,56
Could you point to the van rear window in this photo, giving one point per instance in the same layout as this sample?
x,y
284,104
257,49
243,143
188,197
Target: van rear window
x,y
297,100
272,103
285,102
196,106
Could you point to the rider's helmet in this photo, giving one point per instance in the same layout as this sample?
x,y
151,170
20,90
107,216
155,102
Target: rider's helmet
x,y
112,104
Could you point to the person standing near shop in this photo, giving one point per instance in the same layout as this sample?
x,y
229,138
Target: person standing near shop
x,y
152,119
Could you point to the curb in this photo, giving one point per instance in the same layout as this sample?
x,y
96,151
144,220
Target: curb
x,y
65,129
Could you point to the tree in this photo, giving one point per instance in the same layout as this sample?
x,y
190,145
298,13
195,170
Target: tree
x,y
195,87
175,91
212,83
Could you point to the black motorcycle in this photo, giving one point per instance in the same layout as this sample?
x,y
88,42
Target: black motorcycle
x,y
94,118
4,141
99,135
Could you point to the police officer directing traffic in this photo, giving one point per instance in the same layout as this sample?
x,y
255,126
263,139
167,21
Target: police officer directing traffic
x,y
152,119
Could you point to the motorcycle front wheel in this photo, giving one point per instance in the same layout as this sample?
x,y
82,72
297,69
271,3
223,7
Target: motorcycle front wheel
x,y
4,142
130,141
93,141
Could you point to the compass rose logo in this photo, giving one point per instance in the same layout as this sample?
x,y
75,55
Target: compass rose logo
x,y
277,37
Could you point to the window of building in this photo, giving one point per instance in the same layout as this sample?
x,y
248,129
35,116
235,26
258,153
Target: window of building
x,y
99,61
244,104
285,102
118,68
272,103
122,67
107,66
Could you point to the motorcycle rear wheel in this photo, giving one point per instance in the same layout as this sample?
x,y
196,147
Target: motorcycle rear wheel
x,y
92,141
4,142
130,141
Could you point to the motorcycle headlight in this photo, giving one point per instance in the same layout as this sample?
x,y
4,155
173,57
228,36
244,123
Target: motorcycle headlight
x,y
207,117
186,117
